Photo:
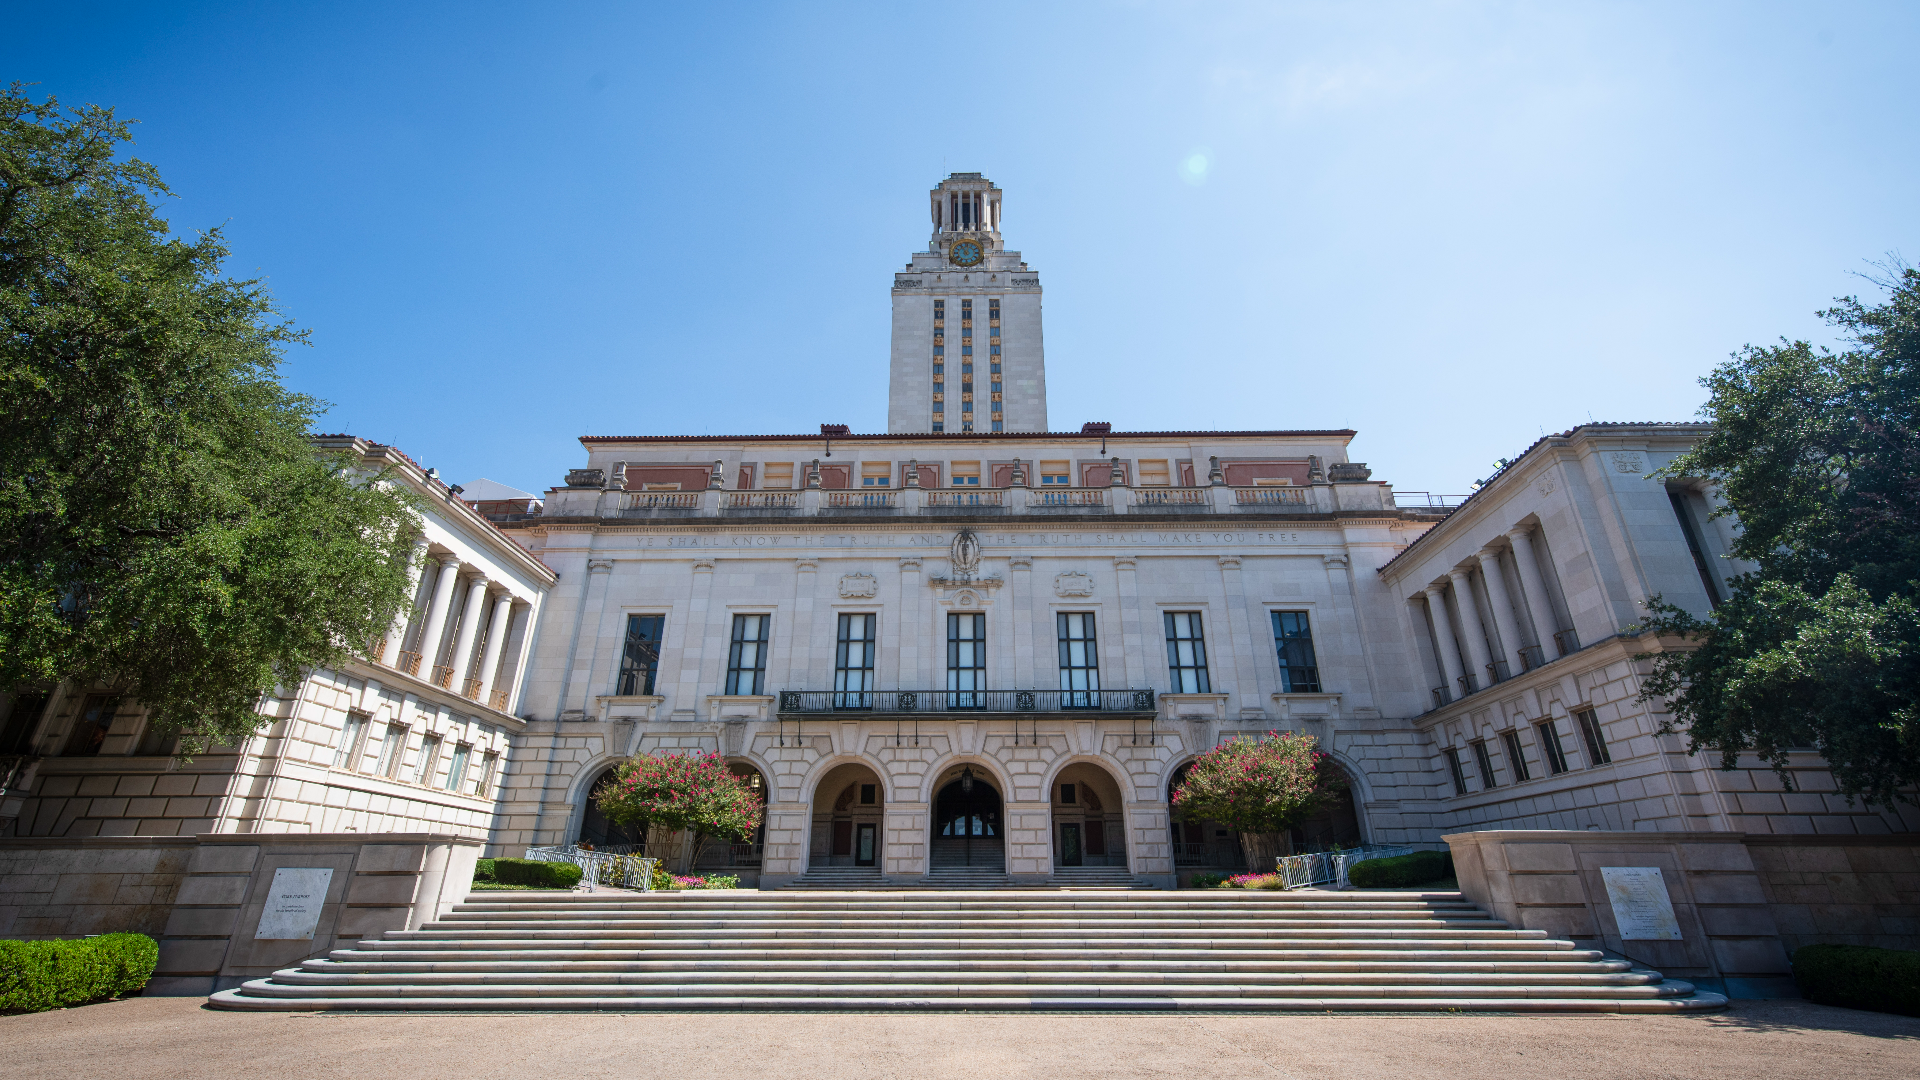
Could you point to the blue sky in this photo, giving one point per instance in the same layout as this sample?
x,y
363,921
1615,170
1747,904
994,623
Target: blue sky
x,y
1450,226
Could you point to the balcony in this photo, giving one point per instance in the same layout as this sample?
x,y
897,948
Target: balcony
x,y
890,703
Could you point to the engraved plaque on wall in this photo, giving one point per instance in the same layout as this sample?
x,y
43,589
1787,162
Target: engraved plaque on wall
x,y
1641,908
294,902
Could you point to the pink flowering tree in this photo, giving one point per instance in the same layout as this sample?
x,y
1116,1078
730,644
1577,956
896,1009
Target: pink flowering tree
x,y
1260,789
696,793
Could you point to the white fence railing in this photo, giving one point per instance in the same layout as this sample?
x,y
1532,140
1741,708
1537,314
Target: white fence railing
x,y
1330,867
601,867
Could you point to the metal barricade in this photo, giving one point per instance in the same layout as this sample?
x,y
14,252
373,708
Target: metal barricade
x,y
602,867
1329,867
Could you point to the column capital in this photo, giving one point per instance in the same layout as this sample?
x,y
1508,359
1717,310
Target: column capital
x,y
599,566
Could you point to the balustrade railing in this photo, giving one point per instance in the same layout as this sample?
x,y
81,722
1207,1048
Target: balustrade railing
x,y
762,500
471,689
442,677
860,500
1270,496
964,498
1172,497
661,500
890,702
499,699
409,662
1045,497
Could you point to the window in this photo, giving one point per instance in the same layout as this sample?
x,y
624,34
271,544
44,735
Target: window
x,y
1055,473
90,727
853,663
429,757
1483,762
1067,795
641,658
1687,528
1550,748
778,477
489,761
995,331
876,474
967,660
966,474
1187,653
457,769
938,371
1293,637
998,426
937,425
393,747
1516,761
1596,739
347,755
747,657
1154,473
1459,774
869,794
994,350
996,363
1079,660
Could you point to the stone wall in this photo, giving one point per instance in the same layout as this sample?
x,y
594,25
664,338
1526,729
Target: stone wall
x,y
1841,890
66,888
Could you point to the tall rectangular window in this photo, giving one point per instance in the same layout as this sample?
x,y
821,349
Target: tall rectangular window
x,y
1595,739
347,754
747,655
1550,747
853,663
1516,761
489,762
1483,763
967,661
640,658
1187,653
1079,660
429,757
1455,770
457,768
1293,637
393,747
90,728
1694,547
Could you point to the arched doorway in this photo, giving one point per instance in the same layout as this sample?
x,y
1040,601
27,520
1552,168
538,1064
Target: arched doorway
x,y
725,854
601,834
1337,824
967,829
1089,822
1198,843
849,810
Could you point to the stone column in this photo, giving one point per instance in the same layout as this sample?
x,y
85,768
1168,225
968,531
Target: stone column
x,y
1443,633
1470,625
497,632
1502,609
1539,606
461,661
435,628
1020,583
1132,649
397,635
1240,645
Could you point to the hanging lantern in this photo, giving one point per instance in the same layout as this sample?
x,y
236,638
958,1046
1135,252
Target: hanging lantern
x,y
966,781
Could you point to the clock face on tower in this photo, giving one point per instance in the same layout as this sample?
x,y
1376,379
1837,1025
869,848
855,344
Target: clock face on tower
x,y
965,253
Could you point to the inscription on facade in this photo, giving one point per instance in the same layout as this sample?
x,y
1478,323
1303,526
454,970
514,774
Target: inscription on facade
x,y
294,902
1142,538
1641,908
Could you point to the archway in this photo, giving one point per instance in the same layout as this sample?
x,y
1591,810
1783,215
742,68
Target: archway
x,y
849,809
968,832
603,835
1337,824
726,853
1089,819
1198,843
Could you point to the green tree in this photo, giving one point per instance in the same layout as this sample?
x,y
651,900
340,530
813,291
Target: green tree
x,y
166,528
1816,454
1258,788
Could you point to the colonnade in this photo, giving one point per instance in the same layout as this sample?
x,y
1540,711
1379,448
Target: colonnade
x,y
981,214
468,667
1481,655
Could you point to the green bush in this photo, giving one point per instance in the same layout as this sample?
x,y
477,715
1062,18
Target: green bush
x,y
550,875
1206,879
1859,977
483,871
1401,871
40,975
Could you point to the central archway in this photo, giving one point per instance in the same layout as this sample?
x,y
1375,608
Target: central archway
x,y
1089,822
849,812
968,831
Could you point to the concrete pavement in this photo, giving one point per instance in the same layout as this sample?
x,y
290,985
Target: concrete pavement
x,y
176,1037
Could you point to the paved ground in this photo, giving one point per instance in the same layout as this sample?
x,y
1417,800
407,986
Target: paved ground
x,y
177,1037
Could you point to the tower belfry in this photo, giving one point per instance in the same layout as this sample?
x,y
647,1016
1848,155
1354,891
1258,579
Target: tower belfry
x,y
967,353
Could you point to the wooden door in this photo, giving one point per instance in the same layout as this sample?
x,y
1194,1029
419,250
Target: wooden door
x,y
842,837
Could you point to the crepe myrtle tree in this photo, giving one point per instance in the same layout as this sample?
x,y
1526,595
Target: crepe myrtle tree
x,y
692,793
167,530
1260,789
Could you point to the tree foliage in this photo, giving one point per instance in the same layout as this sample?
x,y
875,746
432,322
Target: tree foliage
x,y
1817,454
695,792
1258,786
168,529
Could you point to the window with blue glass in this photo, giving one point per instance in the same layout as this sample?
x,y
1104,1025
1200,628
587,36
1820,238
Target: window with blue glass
x,y
1187,653
1293,638
966,661
1079,660
747,655
853,662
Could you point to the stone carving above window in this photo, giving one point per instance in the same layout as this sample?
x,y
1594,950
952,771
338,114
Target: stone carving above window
x,y
1628,462
861,584
1072,583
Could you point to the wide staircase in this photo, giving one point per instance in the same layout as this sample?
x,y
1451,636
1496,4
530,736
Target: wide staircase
x,y
1214,951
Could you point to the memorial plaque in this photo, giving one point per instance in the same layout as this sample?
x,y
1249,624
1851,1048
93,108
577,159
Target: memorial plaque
x,y
293,905
1641,908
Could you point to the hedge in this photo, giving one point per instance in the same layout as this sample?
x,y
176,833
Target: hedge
x,y
1401,871
1859,977
551,875
483,871
40,975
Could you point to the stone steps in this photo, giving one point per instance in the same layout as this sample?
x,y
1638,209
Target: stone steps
x,y
958,951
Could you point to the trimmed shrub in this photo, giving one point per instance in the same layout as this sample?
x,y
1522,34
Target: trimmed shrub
x,y
1206,879
550,875
1401,871
1859,977
40,975
483,871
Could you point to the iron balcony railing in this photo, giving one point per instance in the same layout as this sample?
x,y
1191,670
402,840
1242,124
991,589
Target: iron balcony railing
x,y
1531,657
919,702
1566,641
